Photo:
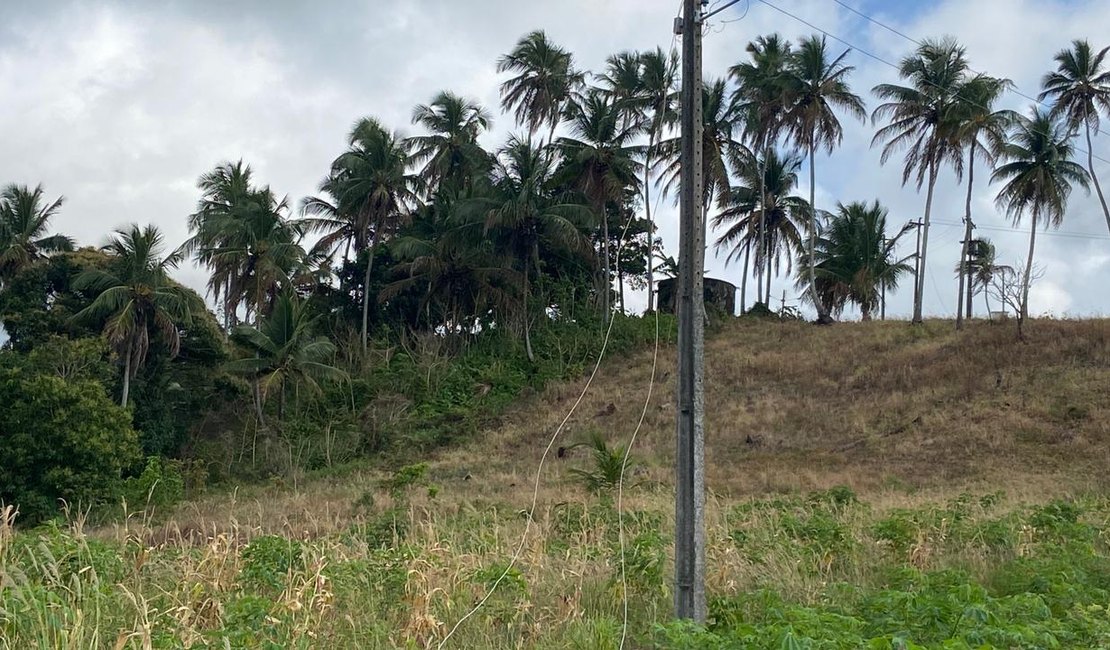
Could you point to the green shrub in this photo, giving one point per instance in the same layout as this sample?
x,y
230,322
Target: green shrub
x,y
160,485
62,440
268,561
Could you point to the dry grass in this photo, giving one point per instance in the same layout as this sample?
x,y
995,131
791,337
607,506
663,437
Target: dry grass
x,y
884,408
906,417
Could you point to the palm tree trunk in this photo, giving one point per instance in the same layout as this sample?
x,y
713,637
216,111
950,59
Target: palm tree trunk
x,y
919,290
607,278
1091,169
744,279
822,316
1028,271
964,270
762,211
256,388
127,372
865,310
366,287
767,293
527,321
651,224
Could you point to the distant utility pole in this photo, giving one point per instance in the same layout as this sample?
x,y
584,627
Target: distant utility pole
x,y
882,284
689,556
917,260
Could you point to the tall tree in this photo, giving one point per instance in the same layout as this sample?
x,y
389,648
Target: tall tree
x,y
1080,91
1038,174
760,101
657,92
24,220
135,298
721,146
983,131
918,123
816,87
599,160
374,185
450,153
524,216
462,276
544,82
855,258
762,213
242,233
285,352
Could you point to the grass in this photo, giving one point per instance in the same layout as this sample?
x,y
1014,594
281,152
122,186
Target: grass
x,y
870,485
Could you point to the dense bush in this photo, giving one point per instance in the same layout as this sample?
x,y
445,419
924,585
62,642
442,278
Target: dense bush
x,y
59,439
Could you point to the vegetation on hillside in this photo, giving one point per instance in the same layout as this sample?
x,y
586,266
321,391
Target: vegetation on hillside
x,y
432,284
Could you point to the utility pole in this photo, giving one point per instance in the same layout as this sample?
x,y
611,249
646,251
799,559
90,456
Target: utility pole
x,y
917,260
689,547
882,284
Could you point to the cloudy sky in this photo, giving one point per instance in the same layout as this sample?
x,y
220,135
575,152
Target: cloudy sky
x,y
121,104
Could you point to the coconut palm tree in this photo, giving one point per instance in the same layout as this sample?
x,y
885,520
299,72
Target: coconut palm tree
x,y
856,260
545,82
759,100
600,162
525,217
983,130
135,298
1080,91
450,153
463,277
657,92
375,192
243,235
762,214
284,353
1038,173
918,123
721,147
816,87
24,219
622,81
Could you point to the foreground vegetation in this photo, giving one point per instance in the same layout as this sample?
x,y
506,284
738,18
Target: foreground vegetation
x,y
846,511
817,570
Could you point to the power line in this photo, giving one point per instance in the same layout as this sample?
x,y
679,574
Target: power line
x,y
1055,233
916,41
896,67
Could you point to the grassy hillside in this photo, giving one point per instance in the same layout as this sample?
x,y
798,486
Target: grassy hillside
x,y
869,483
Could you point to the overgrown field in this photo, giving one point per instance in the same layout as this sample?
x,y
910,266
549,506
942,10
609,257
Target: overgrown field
x,y
871,486
820,570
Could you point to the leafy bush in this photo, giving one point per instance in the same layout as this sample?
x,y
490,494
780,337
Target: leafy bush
x,y
268,561
62,440
160,485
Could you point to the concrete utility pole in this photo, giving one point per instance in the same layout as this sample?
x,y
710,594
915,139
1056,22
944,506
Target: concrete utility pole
x,y
689,556
917,288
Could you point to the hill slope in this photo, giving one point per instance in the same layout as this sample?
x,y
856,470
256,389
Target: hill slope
x,y
871,485
863,404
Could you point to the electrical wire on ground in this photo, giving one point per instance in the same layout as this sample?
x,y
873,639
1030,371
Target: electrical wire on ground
x,y
543,459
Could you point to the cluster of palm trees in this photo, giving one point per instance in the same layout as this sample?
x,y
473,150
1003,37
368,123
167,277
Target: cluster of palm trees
x,y
941,116
473,239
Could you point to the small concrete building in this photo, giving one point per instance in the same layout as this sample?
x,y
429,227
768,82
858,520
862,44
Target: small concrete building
x,y
719,294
